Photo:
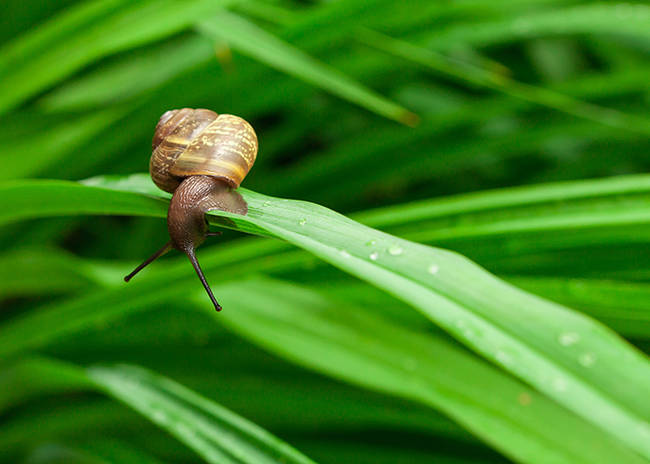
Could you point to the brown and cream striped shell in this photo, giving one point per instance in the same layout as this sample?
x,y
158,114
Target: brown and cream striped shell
x,y
190,142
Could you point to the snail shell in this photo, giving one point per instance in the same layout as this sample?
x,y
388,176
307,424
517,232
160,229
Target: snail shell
x,y
190,142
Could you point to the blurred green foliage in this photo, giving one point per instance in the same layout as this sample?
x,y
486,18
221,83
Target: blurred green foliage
x,y
400,114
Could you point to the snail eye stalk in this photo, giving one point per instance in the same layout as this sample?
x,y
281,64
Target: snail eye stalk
x,y
190,254
150,259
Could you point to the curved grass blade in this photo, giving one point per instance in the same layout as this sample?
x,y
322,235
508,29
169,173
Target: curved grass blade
x,y
505,84
543,343
95,453
576,355
24,379
483,312
33,68
58,454
251,40
362,347
574,360
619,304
130,76
24,199
50,145
217,434
596,18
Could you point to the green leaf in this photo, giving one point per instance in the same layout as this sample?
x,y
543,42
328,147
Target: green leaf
x,y
58,454
251,40
623,306
86,33
49,145
217,434
25,379
596,18
364,348
574,360
28,199
130,76
95,453
563,354
501,82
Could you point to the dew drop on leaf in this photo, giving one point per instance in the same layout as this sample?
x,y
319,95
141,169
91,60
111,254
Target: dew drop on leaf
x,y
568,338
395,250
371,242
374,256
587,359
344,253
524,399
302,221
433,269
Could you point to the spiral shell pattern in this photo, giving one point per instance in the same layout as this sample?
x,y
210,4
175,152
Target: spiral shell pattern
x,y
190,142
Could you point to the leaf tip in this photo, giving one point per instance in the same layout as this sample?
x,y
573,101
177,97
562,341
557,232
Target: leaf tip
x,y
409,118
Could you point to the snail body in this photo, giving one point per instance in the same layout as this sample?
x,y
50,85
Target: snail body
x,y
199,157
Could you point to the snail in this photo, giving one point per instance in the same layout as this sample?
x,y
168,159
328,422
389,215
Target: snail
x,y
200,157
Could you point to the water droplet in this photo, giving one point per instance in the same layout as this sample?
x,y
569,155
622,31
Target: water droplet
x,y
371,242
568,338
433,269
267,203
559,384
344,253
374,256
587,359
503,357
302,222
524,399
395,250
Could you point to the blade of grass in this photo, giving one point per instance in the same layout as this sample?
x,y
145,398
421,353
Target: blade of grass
x,y
40,271
28,378
217,434
58,454
30,156
56,197
57,29
130,76
621,305
488,315
104,32
596,18
503,83
253,41
111,452
511,230
303,401
361,347
540,342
